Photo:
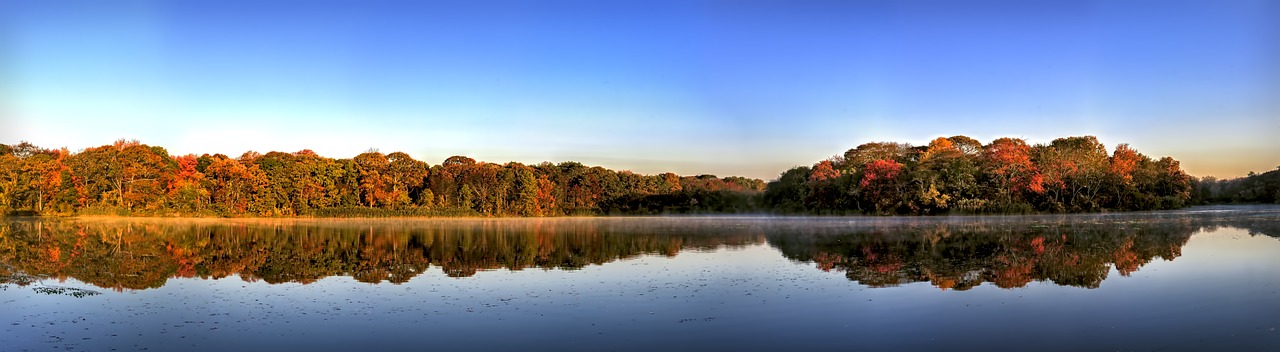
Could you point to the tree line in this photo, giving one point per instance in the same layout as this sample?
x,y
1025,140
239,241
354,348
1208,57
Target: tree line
x,y
1253,188
949,175
961,175
131,178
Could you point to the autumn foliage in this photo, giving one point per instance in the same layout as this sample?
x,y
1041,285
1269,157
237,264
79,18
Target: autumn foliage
x,y
949,175
131,178
960,174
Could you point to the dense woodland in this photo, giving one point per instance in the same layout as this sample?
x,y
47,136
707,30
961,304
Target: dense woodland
x,y
949,175
130,178
960,174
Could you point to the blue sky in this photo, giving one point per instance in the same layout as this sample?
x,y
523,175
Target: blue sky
x,y
723,87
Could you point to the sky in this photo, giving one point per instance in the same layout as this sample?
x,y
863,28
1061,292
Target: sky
x,y
734,87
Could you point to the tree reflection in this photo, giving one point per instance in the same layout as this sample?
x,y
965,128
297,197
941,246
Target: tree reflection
x,y
949,253
140,255
1070,251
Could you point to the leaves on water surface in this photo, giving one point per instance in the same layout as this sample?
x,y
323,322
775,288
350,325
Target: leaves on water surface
x,y
69,291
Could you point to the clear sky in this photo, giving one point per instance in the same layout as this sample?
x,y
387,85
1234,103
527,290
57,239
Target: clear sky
x,y
734,87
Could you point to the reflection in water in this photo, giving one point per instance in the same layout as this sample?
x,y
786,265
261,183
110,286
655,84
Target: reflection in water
x,y
966,256
950,253
1009,252
140,255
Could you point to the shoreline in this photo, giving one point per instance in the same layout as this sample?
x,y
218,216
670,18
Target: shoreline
x,y
102,218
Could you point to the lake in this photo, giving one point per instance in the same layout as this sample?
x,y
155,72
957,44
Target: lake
x,y
1202,278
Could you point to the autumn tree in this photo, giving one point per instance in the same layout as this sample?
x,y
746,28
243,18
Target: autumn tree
x,y
966,145
237,186
857,158
186,191
1007,164
525,198
1073,169
127,174
1124,162
10,178
823,190
30,176
406,177
945,174
1172,185
882,184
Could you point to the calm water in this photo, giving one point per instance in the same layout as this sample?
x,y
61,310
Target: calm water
x,y
1196,279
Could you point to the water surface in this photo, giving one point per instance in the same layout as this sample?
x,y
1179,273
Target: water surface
x,y
1195,279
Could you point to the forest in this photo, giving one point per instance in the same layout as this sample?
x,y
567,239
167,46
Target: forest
x,y
950,175
130,178
961,175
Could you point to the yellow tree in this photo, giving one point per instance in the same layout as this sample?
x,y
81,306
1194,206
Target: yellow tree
x,y
235,184
374,181
405,176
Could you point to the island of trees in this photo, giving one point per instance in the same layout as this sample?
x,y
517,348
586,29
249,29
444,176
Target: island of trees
x,y
949,175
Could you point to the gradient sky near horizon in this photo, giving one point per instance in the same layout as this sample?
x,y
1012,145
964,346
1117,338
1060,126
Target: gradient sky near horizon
x,y
722,87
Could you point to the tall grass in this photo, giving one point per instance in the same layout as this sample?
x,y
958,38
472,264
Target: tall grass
x,y
367,212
